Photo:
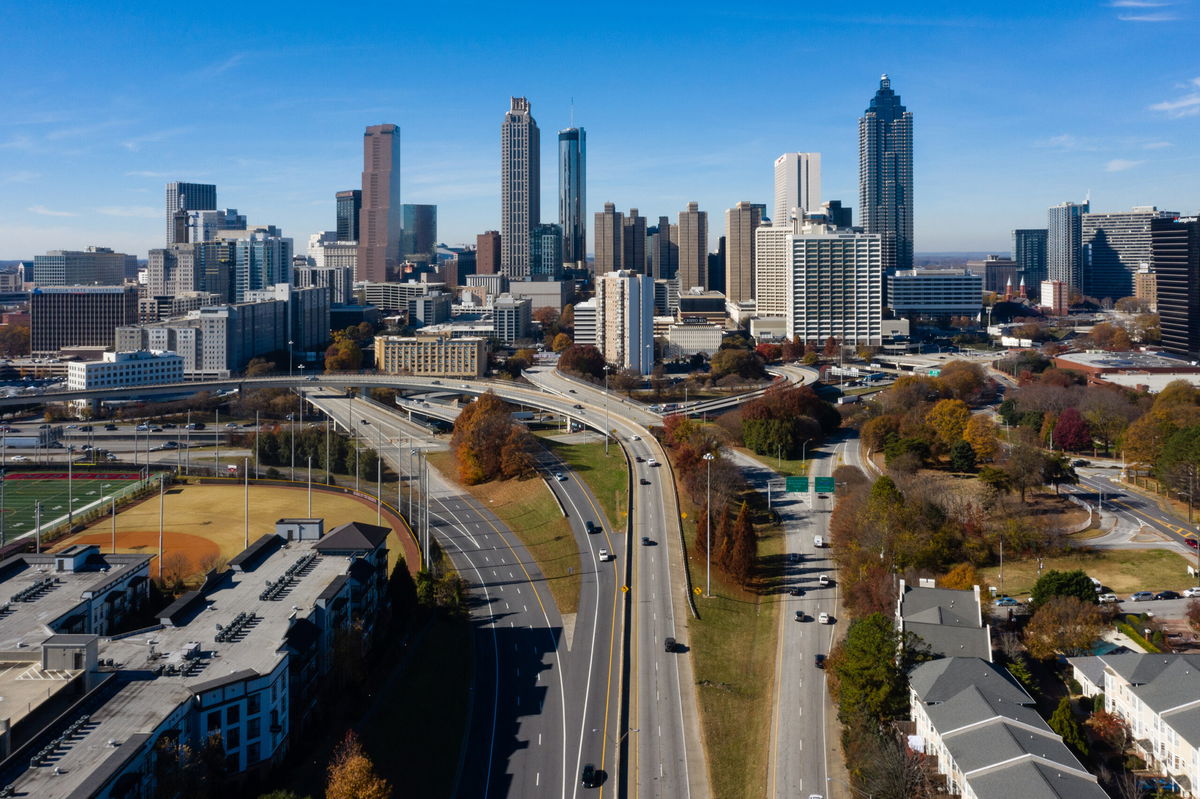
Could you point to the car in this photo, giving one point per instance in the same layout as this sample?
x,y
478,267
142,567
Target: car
x,y
651,462
1192,542
578,407
363,421
591,527
572,391
19,459
669,644
796,591
1167,595
311,379
1107,599
639,459
110,427
560,477
800,615
589,778
156,429
646,541
1142,596
437,382
644,481
142,428
1080,462
635,438
824,618
603,555
1006,602
818,541
1191,593
819,660
72,427
824,581
87,428
234,426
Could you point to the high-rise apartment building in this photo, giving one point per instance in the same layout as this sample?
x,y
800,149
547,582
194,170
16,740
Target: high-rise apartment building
x,y
338,279
260,261
837,286
512,318
797,184
418,233
187,197
664,250
1029,251
379,220
546,252
1145,286
211,225
885,175
837,215
625,320
740,223
572,194
1114,246
79,316
610,227
487,253
349,207
1175,258
520,187
1055,297
1064,244
693,248
307,314
773,268
633,242
95,266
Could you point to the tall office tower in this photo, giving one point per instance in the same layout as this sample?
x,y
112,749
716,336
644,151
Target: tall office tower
x,y
1064,244
1175,258
625,319
693,248
773,268
885,175
261,261
740,223
487,253
797,184
209,225
79,316
546,252
349,208
520,187
836,287
379,220
95,266
187,197
418,233
1029,251
338,279
836,215
1114,246
716,267
610,247
633,242
664,251
572,194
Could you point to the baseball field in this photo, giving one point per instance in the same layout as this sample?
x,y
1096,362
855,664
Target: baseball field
x,y
56,490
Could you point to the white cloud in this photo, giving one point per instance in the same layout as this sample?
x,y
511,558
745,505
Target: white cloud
x,y
134,144
1121,164
1153,16
22,176
1156,145
137,211
1186,106
44,211
1137,4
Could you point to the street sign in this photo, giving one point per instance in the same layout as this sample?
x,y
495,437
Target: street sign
x,y
823,484
796,483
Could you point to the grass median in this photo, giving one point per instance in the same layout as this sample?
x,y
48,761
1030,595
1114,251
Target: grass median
x,y
607,476
529,509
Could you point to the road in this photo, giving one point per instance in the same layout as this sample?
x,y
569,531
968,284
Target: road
x,y
1105,485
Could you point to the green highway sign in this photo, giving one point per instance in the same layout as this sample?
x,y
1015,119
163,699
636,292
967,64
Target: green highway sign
x,y
796,483
823,484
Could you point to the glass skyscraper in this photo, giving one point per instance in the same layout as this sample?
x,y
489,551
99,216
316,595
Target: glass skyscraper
x,y
418,231
1064,244
885,175
572,194
349,204
1029,251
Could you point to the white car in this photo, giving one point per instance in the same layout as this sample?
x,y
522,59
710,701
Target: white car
x,y
1107,599
19,459
560,477
651,462
1191,592
635,438
603,555
823,618
823,580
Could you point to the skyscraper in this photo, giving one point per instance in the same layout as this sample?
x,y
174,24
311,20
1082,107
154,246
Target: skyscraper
x,y
633,242
349,206
624,320
1175,257
885,175
487,253
1029,251
546,252
664,251
520,187
740,223
693,248
836,286
610,226
1064,244
379,221
797,184
1114,246
572,194
187,197
418,232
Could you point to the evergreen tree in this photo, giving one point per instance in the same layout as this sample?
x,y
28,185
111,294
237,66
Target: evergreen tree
x,y
1063,722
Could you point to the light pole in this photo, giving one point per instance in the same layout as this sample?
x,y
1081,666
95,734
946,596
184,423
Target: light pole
x,y
290,342
708,459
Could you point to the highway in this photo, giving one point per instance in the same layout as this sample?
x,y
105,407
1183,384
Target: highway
x,y
1103,484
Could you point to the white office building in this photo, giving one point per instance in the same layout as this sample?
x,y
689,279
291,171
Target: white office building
x,y
694,336
797,185
625,319
935,292
772,269
119,369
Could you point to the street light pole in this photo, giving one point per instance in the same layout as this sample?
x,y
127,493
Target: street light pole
x,y
708,459
290,342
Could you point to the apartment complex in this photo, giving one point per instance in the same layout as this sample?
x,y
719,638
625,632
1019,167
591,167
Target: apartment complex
x,y
432,356
79,316
625,320
1115,245
836,285
948,621
120,369
95,266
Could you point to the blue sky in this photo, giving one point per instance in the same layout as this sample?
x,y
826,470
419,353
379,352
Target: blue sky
x,y
1017,107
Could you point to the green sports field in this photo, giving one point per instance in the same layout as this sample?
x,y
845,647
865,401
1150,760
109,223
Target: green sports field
x,y
24,489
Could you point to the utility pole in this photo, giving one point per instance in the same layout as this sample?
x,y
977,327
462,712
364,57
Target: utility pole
x,y
708,459
246,492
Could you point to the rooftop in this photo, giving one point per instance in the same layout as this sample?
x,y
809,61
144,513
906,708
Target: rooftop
x,y
1127,361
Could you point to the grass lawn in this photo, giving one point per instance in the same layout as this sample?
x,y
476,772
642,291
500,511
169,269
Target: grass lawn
x,y
24,489
733,651
607,477
785,467
528,509
1121,571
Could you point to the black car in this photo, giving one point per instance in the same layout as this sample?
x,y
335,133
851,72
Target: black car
x,y
669,645
591,527
589,778
819,660
799,615
646,541
639,459
796,591
578,407
110,427
644,481
1168,595
87,428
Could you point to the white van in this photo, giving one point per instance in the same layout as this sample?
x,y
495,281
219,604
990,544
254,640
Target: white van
x,y
818,541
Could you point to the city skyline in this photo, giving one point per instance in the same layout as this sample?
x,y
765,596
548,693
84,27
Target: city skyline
x,y
84,154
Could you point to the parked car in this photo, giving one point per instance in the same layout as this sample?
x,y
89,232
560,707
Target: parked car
x,y
1107,599
1142,596
1006,602
1192,593
1167,595
823,618
1192,542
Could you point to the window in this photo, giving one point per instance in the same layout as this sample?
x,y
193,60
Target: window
x,y
232,714
214,721
253,704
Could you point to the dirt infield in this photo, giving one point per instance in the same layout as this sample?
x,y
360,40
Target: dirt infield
x,y
201,519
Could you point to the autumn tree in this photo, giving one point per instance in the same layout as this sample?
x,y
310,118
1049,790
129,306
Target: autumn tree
x,y
792,349
582,359
1193,614
1024,463
1179,463
962,577
259,366
980,433
1072,433
1063,624
948,418
744,363
832,347
1109,728
561,342
352,775
488,444
769,352
744,551
344,354
14,340
963,379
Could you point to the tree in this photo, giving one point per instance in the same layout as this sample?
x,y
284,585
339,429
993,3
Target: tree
x,y
1024,464
870,682
1072,433
793,349
1057,469
344,354
769,352
1131,305
14,340
1109,728
744,551
1056,583
488,444
352,774
1063,624
582,359
832,347
743,363
1193,614
948,418
962,577
259,366
1179,463
1063,722
561,342
980,433
963,379
962,457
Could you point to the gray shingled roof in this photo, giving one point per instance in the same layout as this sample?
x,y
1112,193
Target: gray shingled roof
x,y
1001,741
942,679
1031,779
972,704
353,536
